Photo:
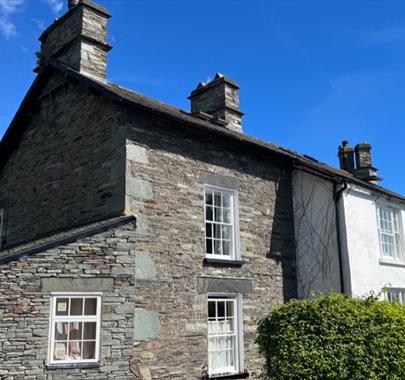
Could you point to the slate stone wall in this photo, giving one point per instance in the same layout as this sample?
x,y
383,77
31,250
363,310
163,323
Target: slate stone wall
x,y
104,262
166,169
69,167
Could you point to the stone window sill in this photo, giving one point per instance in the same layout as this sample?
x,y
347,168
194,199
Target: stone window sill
x,y
208,262
72,365
240,375
392,263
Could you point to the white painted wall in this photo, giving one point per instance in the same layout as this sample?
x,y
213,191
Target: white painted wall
x,y
364,270
367,271
315,234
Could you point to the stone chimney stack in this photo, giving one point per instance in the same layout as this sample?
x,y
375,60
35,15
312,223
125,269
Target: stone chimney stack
x,y
357,161
78,39
220,99
364,169
346,156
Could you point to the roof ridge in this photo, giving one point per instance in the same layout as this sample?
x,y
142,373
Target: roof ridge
x,y
143,102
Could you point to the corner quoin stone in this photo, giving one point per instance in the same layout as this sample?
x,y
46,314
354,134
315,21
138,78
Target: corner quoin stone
x,y
138,189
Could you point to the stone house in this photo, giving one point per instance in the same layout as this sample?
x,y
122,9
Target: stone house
x,y
138,240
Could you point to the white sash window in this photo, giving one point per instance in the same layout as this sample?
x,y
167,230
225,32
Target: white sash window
x,y
224,335
74,328
220,223
390,232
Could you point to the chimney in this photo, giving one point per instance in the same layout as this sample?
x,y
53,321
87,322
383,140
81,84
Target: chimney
x,y
78,39
346,156
357,161
219,98
364,169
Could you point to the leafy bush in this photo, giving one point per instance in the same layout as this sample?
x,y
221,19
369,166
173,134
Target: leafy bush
x,y
334,337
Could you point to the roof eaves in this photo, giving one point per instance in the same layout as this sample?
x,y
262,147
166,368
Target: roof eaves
x,y
58,239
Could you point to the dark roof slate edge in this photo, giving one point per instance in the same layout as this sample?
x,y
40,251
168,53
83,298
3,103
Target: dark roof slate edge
x,y
65,238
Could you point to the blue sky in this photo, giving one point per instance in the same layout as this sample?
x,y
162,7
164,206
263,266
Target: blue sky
x,y
311,73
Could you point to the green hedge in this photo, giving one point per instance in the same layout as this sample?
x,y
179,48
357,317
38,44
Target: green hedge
x,y
334,337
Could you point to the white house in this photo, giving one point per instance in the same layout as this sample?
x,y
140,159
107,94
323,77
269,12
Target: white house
x,y
349,231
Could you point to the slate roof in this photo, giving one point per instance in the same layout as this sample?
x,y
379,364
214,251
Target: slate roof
x,y
63,237
183,118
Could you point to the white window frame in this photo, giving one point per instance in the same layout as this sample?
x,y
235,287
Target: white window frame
x,y
80,318
2,212
397,235
398,291
239,344
234,217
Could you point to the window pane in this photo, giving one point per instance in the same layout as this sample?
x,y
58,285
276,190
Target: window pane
x,y
221,309
208,198
90,306
217,247
75,350
209,246
217,231
217,199
226,215
226,199
208,213
218,214
229,309
396,222
211,309
89,330
226,232
62,306
75,330
387,244
226,248
89,350
59,351
76,306
61,330
208,230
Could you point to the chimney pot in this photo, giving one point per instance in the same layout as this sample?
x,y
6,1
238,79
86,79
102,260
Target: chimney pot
x,y
220,99
346,156
72,3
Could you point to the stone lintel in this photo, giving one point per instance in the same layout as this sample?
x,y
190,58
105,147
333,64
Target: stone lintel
x,y
219,180
224,285
105,284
